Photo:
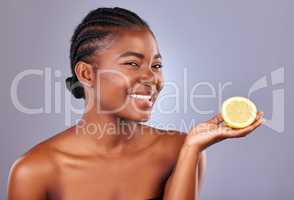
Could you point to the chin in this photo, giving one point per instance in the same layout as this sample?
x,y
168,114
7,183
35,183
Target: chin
x,y
144,119
137,117
141,118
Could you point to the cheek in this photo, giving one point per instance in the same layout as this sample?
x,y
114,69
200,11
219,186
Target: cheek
x,y
112,89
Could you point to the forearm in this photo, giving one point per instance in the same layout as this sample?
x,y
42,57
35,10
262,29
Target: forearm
x,y
183,184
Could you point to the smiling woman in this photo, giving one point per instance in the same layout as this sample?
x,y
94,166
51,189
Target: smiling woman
x,y
116,67
122,47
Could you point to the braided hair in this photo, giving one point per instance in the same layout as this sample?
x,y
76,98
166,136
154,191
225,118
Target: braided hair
x,y
92,34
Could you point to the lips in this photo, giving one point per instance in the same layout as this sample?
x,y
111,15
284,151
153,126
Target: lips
x,y
143,101
144,98
141,96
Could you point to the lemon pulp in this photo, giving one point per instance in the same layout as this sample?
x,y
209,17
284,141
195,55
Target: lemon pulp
x,y
238,112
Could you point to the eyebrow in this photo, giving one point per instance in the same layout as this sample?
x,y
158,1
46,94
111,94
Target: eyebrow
x,y
138,55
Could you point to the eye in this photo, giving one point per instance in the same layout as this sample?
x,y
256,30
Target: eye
x,y
134,64
158,66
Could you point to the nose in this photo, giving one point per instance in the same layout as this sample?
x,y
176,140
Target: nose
x,y
148,75
150,78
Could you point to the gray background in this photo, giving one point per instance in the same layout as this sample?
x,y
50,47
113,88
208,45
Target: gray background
x,y
217,41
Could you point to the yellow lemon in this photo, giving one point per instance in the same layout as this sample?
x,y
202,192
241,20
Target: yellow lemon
x,y
238,112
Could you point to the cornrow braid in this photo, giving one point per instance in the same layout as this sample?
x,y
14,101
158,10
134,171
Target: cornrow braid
x,y
90,35
86,37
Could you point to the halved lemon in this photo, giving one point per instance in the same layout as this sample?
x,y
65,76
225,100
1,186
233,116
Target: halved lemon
x,y
238,112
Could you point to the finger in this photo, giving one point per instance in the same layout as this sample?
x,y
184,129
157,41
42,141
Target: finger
x,y
232,132
217,119
225,127
245,131
259,114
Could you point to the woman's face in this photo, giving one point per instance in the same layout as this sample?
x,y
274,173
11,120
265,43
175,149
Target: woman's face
x,y
129,77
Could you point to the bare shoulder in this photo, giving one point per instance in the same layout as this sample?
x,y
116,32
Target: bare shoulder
x,y
35,162
171,141
39,157
31,173
34,157
173,138
35,168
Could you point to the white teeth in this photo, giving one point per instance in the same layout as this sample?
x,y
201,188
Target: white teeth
x,y
148,97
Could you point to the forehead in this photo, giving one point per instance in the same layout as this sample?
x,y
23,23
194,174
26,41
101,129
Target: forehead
x,y
133,40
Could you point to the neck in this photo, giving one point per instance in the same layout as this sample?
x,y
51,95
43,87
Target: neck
x,y
109,132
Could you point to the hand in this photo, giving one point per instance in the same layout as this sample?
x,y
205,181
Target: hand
x,y
205,134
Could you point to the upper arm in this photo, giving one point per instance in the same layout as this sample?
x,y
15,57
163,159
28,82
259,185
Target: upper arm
x,y
27,180
200,169
199,175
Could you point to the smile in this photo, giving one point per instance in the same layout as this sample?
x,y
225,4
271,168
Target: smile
x,y
139,96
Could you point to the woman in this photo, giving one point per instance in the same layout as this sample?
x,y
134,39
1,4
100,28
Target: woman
x,y
108,154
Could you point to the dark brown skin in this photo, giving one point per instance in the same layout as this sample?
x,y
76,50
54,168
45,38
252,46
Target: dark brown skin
x,y
132,164
69,167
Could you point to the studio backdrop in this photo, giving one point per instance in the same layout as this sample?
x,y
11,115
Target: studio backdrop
x,y
211,50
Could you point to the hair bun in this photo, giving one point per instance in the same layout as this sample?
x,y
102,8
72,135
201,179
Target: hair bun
x,y
68,82
75,87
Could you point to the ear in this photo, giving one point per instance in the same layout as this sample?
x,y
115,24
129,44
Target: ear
x,y
85,73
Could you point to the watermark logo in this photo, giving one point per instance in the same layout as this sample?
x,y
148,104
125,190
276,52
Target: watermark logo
x,y
51,81
277,77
